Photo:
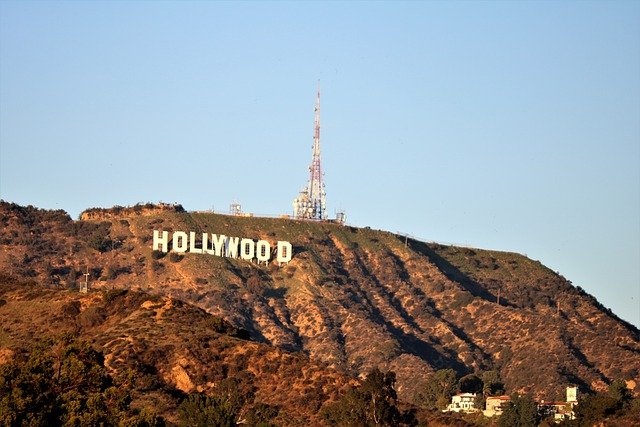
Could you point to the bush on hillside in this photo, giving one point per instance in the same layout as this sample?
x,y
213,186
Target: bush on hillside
x,y
372,403
64,382
201,410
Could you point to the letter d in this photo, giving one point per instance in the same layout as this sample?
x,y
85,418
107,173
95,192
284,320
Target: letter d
x,y
285,252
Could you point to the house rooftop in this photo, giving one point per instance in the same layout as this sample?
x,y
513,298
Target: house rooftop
x,y
499,397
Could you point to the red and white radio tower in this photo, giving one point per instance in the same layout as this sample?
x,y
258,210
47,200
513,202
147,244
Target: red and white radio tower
x,y
311,202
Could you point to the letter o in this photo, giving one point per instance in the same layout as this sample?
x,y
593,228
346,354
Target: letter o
x,y
247,249
263,250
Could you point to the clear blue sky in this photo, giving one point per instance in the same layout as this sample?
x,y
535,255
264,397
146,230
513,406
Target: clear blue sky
x,y
504,125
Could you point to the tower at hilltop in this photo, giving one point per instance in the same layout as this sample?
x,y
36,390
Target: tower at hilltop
x,y
311,201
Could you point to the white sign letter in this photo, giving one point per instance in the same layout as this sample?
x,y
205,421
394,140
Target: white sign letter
x,y
285,252
247,249
231,247
192,243
263,251
205,245
157,241
180,242
218,243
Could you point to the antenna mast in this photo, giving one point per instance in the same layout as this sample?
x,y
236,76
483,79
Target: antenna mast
x,y
311,202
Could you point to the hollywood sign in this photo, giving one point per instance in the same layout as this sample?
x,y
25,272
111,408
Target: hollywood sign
x,y
222,246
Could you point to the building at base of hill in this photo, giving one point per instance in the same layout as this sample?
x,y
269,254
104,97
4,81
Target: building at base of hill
x,y
463,402
561,410
494,405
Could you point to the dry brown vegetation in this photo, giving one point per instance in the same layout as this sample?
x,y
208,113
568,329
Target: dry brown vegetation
x,y
351,298
172,348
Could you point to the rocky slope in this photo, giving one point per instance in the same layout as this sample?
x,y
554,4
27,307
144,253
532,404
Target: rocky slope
x,y
171,348
350,298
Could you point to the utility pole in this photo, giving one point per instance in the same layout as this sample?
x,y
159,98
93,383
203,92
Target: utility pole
x,y
558,306
84,289
498,296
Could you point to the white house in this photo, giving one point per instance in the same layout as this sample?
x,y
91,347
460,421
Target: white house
x,y
561,410
494,405
564,410
462,402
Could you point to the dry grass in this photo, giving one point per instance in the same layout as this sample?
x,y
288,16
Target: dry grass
x,y
354,298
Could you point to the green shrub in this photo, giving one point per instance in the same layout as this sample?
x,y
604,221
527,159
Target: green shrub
x,y
261,415
372,403
202,411
62,382
100,242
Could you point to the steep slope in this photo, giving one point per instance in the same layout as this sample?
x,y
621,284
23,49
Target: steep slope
x,y
170,346
352,298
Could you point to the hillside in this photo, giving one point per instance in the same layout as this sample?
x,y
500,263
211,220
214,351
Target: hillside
x,y
351,299
169,346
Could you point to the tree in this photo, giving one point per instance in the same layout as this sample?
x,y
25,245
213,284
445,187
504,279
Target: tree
x,y
470,384
61,382
381,395
480,401
594,408
100,241
146,418
441,386
25,391
229,390
261,415
370,404
205,411
492,384
619,392
522,411
350,410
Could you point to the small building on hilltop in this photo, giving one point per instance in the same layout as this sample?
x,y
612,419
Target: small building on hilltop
x,y
463,402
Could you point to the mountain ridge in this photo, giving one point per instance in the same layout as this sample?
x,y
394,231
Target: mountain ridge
x,y
353,298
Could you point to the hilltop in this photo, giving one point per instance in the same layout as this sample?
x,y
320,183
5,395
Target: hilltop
x,y
350,300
